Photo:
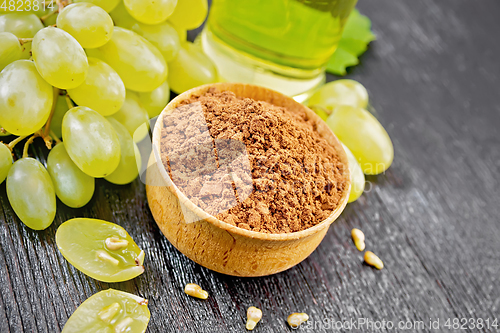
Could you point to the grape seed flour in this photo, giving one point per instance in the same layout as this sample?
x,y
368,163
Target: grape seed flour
x,y
252,164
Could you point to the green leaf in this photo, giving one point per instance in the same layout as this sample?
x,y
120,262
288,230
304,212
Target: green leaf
x,y
354,42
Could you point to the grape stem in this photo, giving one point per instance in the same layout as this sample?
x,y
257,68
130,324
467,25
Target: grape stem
x,y
23,41
46,16
55,138
14,142
69,102
28,142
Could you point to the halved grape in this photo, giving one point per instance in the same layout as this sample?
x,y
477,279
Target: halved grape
x,y
73,187
31,193
110,311
25,98
89,24
340,92
23,25
91,141
191,68
107,5
189,14
162,35
155,101
57,117
130,161
10,49
139,64
150,11
102,250
362,133
103,89
357,176
59,58
5,161
133,116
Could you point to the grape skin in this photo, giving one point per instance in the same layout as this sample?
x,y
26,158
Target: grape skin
x,y
130,157
357,176
191,68
80,239
59,58
31,193
150,11
162,35
22,25
25,98
340,92
57,117
5,161
10,49
133,116
155,101
362,133
189,14
89,24
103,89
121,17
139,64
91,141
86,318
73,187
107,5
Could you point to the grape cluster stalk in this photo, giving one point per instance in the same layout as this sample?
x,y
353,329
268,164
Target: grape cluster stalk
x,y
85,76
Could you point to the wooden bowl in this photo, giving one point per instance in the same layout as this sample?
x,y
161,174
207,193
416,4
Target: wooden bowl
x,y
215,244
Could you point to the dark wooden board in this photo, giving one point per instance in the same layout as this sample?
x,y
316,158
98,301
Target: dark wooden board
x,y
433,76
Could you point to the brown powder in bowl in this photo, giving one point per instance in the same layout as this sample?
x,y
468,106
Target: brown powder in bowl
x,y
252,164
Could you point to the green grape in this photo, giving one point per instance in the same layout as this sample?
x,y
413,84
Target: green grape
x,y
133,116
320,111
91,141
162,35
31,193
107,5
361,132
59,59
102,250
73,187
140,65
102,90
130,162
22,25
191,68
189,14
357,176
89,24
121,17
110,311
10,49
150,11
57,117
25,98
155,101
5,161
340,92
181,32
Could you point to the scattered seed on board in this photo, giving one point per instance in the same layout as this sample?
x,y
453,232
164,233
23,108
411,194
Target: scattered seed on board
x,y
296,319
195,290
359,239
372,260
253,316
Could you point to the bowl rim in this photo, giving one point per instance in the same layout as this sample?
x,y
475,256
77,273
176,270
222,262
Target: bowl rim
x,y
226,226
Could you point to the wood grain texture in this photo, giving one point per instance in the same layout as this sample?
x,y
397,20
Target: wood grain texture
x,y
433,76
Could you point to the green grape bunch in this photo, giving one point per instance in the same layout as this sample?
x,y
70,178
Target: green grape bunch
x,y
85,76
